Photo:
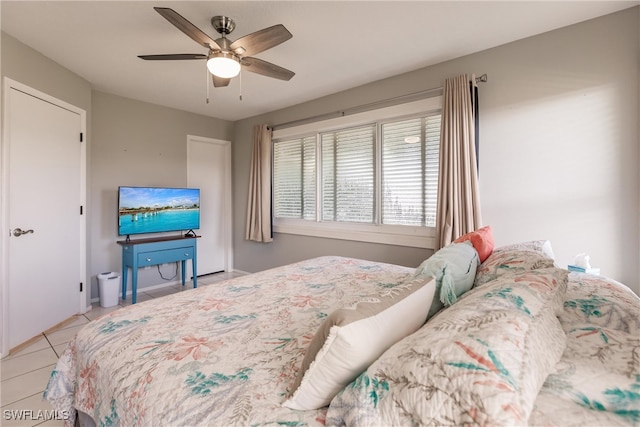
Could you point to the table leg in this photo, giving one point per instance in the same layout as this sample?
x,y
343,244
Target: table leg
x,y
193,266
125,270
134,283
183,264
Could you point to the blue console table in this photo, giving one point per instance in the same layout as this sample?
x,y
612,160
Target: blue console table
x,y
145,252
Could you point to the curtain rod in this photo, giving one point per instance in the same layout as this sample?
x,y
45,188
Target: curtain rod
x,y
370,106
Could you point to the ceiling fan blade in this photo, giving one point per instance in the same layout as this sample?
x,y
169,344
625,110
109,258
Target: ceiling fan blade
x,y
187,27
220,81
260,41
265,68
173,56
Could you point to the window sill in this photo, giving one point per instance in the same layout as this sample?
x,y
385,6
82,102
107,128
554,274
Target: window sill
x,y
399,235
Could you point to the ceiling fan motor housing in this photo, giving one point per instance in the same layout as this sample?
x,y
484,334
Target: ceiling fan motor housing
x,y
223,24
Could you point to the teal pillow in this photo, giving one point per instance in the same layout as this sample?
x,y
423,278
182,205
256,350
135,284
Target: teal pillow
x,y
454,268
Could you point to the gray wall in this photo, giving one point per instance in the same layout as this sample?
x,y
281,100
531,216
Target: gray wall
x,y
138,144
559,148
25,65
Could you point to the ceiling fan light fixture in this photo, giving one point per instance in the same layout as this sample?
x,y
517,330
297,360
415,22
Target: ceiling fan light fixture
x,y
223,65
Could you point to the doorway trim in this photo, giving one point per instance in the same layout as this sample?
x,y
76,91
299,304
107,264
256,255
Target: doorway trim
x,y
228,211
8,85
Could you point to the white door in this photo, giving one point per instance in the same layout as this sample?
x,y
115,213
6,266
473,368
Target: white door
x,y
209,168
44,183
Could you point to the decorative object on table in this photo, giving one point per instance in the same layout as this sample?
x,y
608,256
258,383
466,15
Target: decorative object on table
x,y
581,264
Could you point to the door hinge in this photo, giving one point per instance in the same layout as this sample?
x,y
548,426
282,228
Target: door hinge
x,y
80,286
80,209
81,136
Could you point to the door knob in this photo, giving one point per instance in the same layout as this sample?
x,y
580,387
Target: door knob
x,y
19,232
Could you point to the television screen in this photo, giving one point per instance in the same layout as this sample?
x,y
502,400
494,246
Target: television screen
x,y
156,210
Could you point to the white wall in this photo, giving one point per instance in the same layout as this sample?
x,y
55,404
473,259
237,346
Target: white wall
x,y
559,148
560,151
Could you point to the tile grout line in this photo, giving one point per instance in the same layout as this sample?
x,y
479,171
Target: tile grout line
x,y
24,398
51,345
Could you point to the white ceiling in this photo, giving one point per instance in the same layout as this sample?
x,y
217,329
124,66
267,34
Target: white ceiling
x,y
336,45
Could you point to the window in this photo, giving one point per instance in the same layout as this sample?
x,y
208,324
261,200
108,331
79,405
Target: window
x,y
372,180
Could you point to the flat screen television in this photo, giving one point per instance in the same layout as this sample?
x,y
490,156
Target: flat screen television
x,y
143,210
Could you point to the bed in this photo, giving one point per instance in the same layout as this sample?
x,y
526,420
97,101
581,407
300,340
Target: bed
x,y
528,343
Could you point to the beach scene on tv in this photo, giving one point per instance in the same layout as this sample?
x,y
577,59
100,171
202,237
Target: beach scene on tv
x,y
144,210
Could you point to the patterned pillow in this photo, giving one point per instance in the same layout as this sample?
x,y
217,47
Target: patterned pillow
x,y
506,262
546,286
351,338
597,381
480,362
543,247
600,302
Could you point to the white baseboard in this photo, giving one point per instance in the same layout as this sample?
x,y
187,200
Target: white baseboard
x,y
160,286
146,288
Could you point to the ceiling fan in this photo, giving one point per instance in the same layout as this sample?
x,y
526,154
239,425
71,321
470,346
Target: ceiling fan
x,y
225,58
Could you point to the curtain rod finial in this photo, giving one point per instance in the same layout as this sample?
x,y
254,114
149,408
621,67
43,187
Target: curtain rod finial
x,y
482,79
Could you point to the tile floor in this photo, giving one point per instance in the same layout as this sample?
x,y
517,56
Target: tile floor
x,y
25,373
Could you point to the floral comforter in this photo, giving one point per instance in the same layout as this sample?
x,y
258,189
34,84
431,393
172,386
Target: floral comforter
x,y
220,355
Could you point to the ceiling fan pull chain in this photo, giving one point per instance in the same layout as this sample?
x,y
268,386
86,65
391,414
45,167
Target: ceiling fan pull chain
x,y
240,75
206,71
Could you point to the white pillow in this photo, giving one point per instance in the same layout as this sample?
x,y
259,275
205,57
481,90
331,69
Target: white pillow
x,y
352,338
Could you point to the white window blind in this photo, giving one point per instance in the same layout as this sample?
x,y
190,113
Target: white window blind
x,y
348,185
294,178
410,150
431,167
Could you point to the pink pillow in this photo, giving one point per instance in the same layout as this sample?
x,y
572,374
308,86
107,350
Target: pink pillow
x,y
482,241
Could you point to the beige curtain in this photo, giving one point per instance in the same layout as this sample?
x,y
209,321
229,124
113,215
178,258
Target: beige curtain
x,y
458,189
259,205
